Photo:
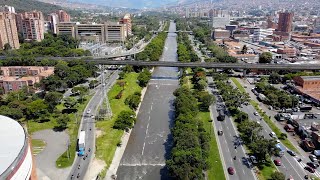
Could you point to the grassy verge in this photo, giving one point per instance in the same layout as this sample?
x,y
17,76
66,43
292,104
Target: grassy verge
x,y
64,160
37,146
35,126
238,85
107,142
215,170
266,170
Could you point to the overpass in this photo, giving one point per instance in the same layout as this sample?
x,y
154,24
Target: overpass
x,y
172,31
209,65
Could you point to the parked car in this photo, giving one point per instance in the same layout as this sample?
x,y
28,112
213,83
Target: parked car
x,y
313,165
220,132
256,113
231,170
313,158
88,111
310,169
291,153
277,162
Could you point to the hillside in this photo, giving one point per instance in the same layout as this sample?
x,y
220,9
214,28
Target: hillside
x,y
29,5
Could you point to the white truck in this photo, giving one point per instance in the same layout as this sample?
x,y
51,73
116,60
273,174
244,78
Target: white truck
x,y
261,97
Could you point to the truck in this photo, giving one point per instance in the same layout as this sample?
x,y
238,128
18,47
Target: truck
x,y
81,143
261,97
221,116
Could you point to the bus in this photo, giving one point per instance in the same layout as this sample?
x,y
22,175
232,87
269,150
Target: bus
x,y
81,143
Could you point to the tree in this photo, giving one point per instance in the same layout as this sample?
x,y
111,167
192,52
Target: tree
x,y
274,78
81,90
70,102
37,109
265,57
93,83
244,49
125,120
53,99
278,176
206,100
133,101
144,78
62,121
7,47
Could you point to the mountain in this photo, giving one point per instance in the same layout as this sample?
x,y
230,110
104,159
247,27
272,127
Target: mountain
x,y
128,3
29,5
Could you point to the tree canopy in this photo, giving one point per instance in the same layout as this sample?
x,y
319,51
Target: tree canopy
x,y
265,57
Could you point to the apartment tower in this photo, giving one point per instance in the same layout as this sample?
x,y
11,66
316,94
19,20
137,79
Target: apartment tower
x,y
31,25
127,20
63,16
8,28
285,22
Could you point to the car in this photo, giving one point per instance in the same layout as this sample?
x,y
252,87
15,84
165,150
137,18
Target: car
x,y
256,113
277,140
253,160
231,170
313,165
88,111
273,135
310,169
277,162
220,132
246,103
291,152
313,158
245,86
92,116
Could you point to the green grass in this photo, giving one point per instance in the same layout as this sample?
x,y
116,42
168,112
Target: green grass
x,y
107,142
35,126
37,146
63,161
215,171
266,170
241,89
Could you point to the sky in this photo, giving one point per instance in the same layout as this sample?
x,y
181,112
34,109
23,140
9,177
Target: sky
x,y
128,3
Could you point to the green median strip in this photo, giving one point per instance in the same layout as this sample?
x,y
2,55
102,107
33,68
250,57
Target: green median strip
x,y
274,128
215,171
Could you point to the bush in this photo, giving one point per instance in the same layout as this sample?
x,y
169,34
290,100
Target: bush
x,y
133,100
144,78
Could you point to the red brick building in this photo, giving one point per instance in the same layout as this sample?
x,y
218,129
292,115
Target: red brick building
x,y
285,22
308,85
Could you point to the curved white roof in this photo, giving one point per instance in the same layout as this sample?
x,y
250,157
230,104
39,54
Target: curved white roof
x,y
12,137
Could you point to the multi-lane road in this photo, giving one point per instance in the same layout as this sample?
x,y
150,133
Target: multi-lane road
x,y
80,165
150,140
229,145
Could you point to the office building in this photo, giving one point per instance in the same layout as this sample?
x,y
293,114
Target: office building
x,y
115,32
63,16
31,25
67,28
54,20
90,32
8,30
260,34
127,20
285,22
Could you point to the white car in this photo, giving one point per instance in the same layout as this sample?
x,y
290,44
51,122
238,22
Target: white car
x,y
88,111
256,113
273,135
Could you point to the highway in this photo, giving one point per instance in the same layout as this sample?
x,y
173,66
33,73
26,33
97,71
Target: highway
x,y
228,143
207,64
88,125
150,141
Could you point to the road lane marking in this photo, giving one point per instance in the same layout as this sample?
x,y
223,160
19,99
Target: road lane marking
x,y
293,167
243,171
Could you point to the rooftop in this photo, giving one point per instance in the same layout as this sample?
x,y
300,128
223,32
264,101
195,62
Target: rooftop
x,y
12,140
310,78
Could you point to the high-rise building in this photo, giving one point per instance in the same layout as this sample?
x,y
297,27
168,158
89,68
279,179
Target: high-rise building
x,y
67,28
7,9
285,22
261,34
63,16
271,23
31,25
54,19
8,30
127,20
316,25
